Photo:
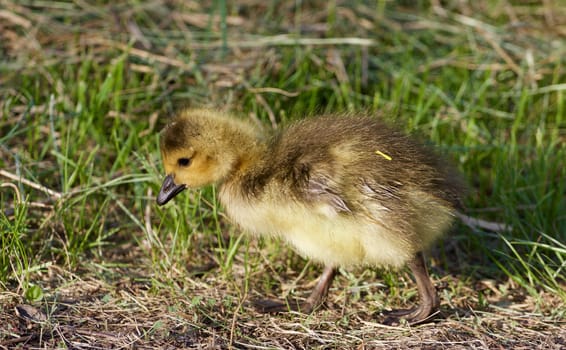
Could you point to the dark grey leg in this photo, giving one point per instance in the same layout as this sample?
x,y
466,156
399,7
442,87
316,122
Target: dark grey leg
x,y
428,299
316,298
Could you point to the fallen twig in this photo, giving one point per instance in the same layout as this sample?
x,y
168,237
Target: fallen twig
x,y
476,223
52,193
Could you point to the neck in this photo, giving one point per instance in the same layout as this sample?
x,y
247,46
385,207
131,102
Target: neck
x,y
251,158
250,171
243,144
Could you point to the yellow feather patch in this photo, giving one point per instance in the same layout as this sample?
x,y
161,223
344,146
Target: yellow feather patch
x,y
386,156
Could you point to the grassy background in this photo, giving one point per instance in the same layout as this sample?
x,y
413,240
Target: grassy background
x,y
86,86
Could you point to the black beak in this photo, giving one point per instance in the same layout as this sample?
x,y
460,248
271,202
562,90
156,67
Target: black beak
x,y
168,190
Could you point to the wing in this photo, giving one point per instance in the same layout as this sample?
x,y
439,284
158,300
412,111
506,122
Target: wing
x,y
319,184
321,189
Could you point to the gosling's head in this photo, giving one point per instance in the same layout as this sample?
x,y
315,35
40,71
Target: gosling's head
x,y
200,147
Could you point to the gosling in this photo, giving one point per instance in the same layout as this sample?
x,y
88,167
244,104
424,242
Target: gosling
x,y
344,190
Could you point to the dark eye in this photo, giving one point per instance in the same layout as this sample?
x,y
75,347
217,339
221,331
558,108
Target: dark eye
x,y
184,161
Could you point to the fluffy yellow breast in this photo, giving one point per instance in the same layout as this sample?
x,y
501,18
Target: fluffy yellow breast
x,y
323,235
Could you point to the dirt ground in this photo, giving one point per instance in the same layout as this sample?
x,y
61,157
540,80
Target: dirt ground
x,y
128,309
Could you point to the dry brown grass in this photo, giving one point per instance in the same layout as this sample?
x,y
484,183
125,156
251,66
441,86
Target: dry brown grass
x,y
131,309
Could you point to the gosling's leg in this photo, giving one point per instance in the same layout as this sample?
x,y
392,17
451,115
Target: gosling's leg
x,y
316,298
428,299
321,290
